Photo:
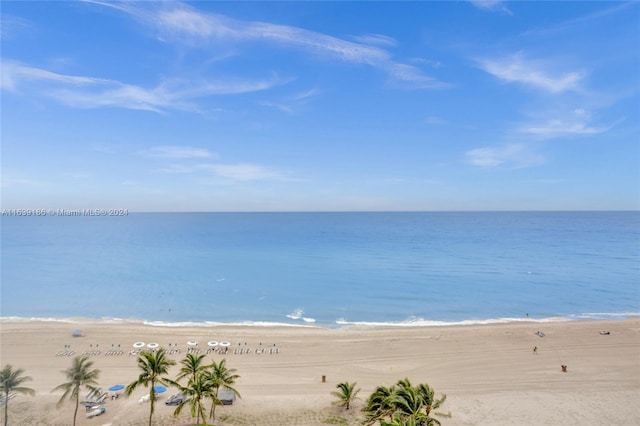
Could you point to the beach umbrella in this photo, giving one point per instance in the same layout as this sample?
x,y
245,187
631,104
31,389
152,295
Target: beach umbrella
x,y
138,345
152,345
225,344
212,343
116,388
77,333
192,343
159,389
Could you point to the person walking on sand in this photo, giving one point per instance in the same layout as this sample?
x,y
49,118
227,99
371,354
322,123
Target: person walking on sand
x,y
535,350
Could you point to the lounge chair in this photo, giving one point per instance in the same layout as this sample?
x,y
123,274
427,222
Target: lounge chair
x,y
96,400
94,393
175,399
226,396
96,412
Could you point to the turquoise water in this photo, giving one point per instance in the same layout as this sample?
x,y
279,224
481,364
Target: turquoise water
x,y
323,269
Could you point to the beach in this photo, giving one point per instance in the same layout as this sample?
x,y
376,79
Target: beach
x,y
490,373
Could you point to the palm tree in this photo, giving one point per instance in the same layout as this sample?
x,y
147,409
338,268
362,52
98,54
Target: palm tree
x,y
79,375
154,366
407,403
398,421
428,396
191,365
378,406
10,381
346,394
403,405
199,386
224,377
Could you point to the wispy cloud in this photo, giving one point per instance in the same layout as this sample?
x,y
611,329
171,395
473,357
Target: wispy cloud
x,y
12,25
524,153
556,128
493,5
435,121
92,92
292,103
176,152
578,122
179,22
14,73
280,106
516,69
377,39
408,76
239,172
515,155
581,20
244,172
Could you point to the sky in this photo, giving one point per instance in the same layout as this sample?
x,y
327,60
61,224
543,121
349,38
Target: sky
x,y
320,106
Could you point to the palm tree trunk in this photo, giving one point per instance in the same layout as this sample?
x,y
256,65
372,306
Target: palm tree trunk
x,y
152,396
6,407
213,408
75,414
202,414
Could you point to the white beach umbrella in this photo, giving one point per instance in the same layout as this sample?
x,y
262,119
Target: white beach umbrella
x,y
138,345
152,345
212,343
225,344
192,343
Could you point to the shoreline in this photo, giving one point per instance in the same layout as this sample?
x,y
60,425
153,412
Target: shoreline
x,y
337,325
488,372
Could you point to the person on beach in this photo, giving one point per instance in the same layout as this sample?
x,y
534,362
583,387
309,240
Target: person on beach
x,y
535,350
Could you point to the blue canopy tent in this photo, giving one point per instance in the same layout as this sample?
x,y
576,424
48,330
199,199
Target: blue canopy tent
x,y
159,389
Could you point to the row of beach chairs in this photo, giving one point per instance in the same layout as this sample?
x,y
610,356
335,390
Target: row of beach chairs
x,y
174,351
258,351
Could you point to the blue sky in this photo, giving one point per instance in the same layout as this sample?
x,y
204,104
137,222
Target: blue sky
x,y
276,106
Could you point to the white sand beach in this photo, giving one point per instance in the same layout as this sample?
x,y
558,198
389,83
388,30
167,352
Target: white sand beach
x,y
489,372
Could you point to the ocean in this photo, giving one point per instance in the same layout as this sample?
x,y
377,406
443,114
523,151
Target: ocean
x,y
322,269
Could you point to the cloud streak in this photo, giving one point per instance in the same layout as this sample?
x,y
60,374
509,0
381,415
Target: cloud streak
x,y
238,172
244,172
376,39
92,92
492,5
554,128
516,69
10,26
517,155
577,122
175,152
186,25
582,20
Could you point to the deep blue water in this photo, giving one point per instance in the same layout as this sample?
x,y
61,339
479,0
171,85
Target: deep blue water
x,y
333,267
